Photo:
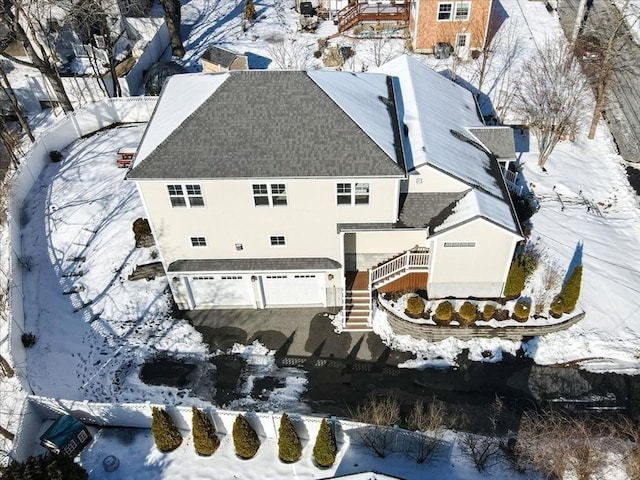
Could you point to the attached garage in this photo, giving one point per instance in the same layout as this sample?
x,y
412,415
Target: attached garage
x,y
221,290
293,289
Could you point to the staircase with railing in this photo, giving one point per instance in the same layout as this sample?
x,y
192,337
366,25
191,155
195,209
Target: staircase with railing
x,y
415,260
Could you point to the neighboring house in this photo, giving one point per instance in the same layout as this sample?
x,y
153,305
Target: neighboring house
x,y
217,59
67,436
461,24
283,188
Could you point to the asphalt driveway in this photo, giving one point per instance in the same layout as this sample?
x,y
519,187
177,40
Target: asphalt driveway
x,y
299,332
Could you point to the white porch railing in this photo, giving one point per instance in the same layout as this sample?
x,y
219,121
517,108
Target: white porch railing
x,y
511,179
410,260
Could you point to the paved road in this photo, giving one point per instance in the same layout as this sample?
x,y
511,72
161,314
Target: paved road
x,y
623,112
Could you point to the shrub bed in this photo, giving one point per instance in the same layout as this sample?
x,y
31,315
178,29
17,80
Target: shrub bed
x,y
205,440
325,448
165,433
289,446
245,438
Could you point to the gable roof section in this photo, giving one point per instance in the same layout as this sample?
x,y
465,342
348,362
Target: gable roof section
x,y
270,124
499,140
220,56
438,113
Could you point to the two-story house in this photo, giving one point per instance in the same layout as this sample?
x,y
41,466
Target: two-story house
x,y
431,24
290,188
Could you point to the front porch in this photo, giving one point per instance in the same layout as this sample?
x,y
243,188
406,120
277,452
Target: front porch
x,y
407,271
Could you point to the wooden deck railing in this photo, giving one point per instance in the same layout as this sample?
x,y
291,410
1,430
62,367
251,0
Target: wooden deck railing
x,y
355,13
411,260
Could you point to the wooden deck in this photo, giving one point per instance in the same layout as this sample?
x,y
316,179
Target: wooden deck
x,y
357,280
410,281
359,12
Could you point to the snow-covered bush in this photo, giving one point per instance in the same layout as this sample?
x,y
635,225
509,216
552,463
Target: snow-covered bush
x,y
165,433
245,438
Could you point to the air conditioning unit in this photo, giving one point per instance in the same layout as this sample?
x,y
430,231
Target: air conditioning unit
x,y
442,50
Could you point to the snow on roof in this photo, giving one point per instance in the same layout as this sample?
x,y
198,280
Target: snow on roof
x,y
434,107
180,98
353,93
479,204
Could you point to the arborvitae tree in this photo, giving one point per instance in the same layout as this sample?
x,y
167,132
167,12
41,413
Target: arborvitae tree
x,y
515,279
165,433
245,438
205,440
47,467
289,446
249,10
325,449
571,290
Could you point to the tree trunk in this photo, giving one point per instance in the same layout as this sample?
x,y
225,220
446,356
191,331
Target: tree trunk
x,y
601,92
6,433
172,18
7,371
11,95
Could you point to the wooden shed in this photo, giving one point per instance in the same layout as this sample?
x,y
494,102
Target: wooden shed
x,y
217,59
67,435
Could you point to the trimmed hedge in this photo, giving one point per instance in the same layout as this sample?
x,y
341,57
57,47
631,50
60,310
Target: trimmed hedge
x,y
289,446
325,448
468,313
415,307
556,309
488,311
571,290
521,310
165,433
205,440
245,438
444,312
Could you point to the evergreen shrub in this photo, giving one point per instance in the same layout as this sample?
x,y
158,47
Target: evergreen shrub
x,y
289,446
165,433
205,440
468,313
245,438
325,448
415,307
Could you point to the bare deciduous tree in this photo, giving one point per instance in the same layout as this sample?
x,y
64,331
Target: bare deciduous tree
x,y
549,287
381,413
290,54
383,49
26,23
551,99
429,424
172,15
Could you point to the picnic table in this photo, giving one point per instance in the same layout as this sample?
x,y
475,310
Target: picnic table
x,y
125,156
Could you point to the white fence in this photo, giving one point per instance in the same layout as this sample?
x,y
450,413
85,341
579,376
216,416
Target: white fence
x,y
82,122
138,415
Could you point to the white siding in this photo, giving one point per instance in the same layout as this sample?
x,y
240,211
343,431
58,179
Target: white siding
x,y
432,180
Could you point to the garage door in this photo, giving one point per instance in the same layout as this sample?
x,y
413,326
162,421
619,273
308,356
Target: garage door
x,y
293,289
221,290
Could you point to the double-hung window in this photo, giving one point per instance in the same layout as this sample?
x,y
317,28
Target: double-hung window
x,y
445,10
462,11
185,195
269,195
356,193
457,11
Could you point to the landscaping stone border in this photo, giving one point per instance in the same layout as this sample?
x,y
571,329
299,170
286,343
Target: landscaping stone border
x,y
434,333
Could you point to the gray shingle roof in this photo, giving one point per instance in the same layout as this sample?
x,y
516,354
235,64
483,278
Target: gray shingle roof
x,y
268,124
499,140
253,264
419,210
220,56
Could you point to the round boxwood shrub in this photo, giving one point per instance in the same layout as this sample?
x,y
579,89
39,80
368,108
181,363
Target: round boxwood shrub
x,y
488,311
245,438
521,310
467,313
444,312
415,307
289,446
205,440
556,309
165,433
325,448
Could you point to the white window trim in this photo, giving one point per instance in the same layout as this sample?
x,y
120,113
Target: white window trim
x,y
438,19
455,12
459,244
185,195
275,237
270,194
191,239
353,194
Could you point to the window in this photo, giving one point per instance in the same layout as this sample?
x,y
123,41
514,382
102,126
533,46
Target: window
x,y
352,193
277,241
460,244
193,197
462,11
444,11
198,242
71,446
458,11
274,195
231,277
82,436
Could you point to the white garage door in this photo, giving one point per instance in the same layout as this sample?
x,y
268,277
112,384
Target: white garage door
x,y
293,289
221,290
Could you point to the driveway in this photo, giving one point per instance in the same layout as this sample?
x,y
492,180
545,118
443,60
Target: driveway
x,y
291,332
